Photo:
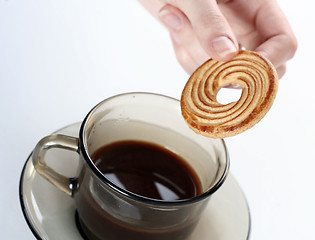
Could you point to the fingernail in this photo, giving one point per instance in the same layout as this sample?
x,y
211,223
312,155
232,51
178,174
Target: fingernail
x,y
171,20
223,46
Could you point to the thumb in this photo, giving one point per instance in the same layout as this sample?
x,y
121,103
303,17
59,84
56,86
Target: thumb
x,y
212,29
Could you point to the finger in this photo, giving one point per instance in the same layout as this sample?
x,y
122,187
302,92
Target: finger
x,y
280,43
153,6
223,1
212,29
281,70
183,56
278,49
183,34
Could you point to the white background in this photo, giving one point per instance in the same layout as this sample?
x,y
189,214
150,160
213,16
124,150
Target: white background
x,y
59,58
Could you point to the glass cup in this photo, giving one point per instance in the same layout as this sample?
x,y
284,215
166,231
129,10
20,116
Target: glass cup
x,y
107,211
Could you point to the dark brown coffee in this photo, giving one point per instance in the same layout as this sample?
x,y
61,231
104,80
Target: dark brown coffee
x,y
148,170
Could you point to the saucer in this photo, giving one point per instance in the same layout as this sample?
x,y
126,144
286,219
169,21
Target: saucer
x,y
50,213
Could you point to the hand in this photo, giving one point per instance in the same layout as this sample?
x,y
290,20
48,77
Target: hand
x,y
203,29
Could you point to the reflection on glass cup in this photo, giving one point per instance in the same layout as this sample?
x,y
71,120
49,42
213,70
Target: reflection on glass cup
x,y
108,211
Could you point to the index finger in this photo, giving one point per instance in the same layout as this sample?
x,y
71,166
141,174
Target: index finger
x,y
279,43
211,28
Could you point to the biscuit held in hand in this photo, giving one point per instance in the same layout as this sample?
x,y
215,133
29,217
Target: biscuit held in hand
x,y
206,116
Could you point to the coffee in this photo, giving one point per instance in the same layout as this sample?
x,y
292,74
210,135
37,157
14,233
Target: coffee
x,y
148,170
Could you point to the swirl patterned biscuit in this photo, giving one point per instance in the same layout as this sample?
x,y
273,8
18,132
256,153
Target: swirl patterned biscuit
x,y
206,116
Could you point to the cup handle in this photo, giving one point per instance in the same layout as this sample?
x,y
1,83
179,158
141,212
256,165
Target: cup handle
x,y
55,141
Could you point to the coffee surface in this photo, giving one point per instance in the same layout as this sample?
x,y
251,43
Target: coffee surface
x,y
148,170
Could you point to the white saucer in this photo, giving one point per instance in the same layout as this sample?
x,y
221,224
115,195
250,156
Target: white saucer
x,y
50,213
